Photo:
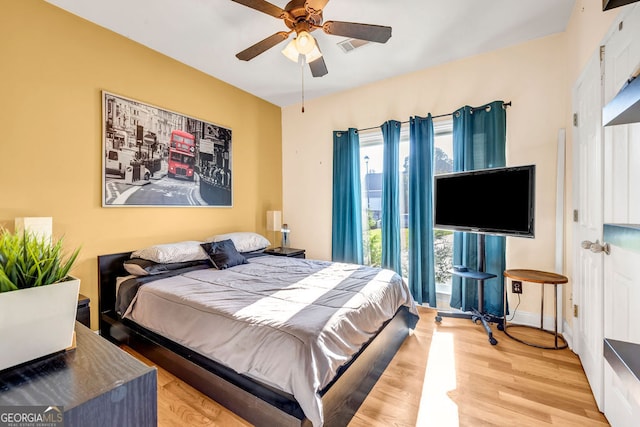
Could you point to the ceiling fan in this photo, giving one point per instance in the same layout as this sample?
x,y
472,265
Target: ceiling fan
x,y
303,17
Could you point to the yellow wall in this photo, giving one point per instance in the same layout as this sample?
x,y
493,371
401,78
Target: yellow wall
x,y
54,67
536,77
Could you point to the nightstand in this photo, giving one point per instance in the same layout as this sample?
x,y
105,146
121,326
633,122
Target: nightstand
x,y
83,314
288,252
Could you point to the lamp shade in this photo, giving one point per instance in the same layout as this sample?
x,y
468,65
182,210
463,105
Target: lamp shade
x,y
41,227
303,45
313,55
274,220
305,42
291,52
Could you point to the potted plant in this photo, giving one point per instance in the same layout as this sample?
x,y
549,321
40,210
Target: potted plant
x,y
38,299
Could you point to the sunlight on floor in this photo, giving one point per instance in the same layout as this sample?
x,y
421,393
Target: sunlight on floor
x,y
436,408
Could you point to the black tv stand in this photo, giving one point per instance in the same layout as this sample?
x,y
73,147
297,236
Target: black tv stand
x,y
477,314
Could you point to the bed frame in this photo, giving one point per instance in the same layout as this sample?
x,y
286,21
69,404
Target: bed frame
x,y
258,403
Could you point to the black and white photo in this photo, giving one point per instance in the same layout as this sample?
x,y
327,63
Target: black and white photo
x,y
156,157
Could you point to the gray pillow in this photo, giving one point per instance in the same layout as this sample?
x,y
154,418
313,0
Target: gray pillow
x,y
223,254
145,267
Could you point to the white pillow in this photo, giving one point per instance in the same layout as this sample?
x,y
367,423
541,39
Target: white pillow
x,y
243,241
172,252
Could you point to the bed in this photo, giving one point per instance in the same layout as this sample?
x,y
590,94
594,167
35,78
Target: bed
x,y
333,378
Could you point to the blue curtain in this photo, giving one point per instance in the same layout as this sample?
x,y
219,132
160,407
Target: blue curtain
x,y
479,142
391,196
422,282
346,233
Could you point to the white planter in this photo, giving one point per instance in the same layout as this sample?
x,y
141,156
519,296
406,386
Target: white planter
x,y
36,322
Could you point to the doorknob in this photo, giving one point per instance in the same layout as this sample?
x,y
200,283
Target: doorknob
x,y
586,244
597,247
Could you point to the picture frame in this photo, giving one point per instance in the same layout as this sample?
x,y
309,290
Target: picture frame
x,y
156,157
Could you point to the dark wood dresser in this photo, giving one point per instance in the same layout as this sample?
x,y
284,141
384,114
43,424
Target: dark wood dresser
x,y
97,384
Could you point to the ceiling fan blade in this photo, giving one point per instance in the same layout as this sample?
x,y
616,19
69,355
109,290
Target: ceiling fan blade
x,y
263,6
318,67
372,33
315,7
255,50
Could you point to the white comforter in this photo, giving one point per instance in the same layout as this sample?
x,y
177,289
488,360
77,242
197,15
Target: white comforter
x,y
287,322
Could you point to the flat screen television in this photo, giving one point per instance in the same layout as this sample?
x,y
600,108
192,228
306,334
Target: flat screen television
x,y
490,201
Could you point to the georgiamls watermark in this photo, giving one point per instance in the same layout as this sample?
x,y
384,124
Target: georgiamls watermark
x,y
31,416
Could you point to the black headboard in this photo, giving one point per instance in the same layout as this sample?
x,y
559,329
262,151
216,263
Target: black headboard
x,y
109,267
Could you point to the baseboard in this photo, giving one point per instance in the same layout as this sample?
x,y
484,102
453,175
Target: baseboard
x,y
567,333
533,319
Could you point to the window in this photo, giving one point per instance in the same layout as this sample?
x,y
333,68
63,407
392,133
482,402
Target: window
x,y
443,239
371,178
371,173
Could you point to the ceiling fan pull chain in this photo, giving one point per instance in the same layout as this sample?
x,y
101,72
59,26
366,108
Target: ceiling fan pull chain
x,y
302,74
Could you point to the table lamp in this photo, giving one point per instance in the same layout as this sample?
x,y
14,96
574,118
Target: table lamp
x,y
274,222
40,227
285,235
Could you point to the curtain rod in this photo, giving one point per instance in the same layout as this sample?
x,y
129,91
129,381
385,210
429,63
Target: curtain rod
x,y
504,104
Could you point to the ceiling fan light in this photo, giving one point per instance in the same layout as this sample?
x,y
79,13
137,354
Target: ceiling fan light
x,y
291,52
305,42
313,55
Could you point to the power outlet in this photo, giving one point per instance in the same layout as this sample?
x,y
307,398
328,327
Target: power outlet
x,y
516,287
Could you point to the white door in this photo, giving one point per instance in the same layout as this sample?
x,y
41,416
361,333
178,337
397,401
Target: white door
x,y
622,295
622,315
622,175
587,226
621,148
622,205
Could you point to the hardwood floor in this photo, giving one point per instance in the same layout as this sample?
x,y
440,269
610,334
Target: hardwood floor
x,y
443,375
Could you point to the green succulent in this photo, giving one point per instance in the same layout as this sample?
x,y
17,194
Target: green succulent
x,y
27,261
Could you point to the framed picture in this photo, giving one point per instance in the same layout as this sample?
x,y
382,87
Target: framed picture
x,y
156,157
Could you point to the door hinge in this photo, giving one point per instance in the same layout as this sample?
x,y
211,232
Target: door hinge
x,y
575,310
575,119
575,215
602,53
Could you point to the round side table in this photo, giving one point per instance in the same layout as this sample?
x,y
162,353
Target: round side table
x,y
541,277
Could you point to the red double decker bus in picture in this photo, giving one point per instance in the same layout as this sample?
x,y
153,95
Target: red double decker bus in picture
x,y
182,150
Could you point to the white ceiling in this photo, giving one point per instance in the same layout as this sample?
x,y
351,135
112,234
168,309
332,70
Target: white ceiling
x,y
206,34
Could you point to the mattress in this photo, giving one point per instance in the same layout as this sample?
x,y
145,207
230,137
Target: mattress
x,y
287,322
